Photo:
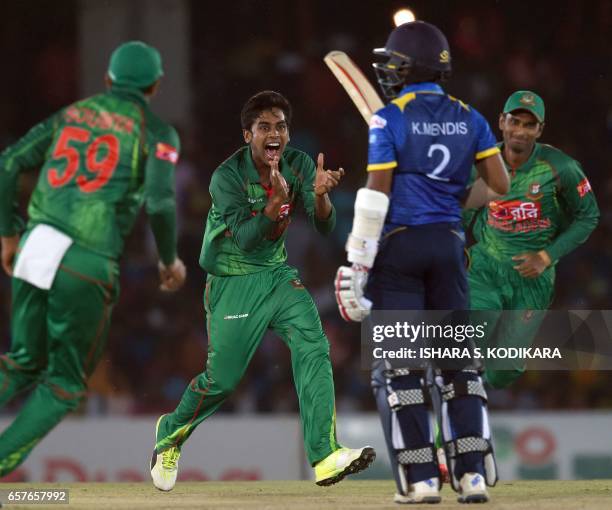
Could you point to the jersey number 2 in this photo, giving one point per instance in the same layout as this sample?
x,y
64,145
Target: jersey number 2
x,y
102,167
438,147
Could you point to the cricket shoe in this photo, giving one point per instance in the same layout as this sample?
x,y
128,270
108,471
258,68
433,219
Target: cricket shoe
x,y
426,491
164,465
342,462
472,489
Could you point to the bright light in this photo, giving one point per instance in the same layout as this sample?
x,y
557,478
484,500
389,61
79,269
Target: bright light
x,y
403,16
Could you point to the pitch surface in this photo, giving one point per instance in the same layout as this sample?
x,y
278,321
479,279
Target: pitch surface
x,y
525,495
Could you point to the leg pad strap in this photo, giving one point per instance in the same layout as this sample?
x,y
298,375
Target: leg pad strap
x,y
463,388
402,398
417,456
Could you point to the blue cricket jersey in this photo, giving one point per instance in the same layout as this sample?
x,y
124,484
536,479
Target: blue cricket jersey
x,y
430,140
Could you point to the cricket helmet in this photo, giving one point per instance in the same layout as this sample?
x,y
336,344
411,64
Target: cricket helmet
x,y
416,51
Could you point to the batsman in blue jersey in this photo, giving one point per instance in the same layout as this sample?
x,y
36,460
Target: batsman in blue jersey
x,y
407,243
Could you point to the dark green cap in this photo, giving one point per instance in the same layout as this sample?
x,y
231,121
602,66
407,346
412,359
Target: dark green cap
x,y
135,64
526,100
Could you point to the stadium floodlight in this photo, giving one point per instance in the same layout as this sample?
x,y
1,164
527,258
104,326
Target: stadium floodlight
x,y
402,16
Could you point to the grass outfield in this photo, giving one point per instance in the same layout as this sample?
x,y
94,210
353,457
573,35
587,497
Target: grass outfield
x,y
553,495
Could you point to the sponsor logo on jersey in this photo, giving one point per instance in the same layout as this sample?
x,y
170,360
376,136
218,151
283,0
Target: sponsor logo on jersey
x,y
517,216
377,122
236,316
439,128
534,191
514,210
166,152
584,187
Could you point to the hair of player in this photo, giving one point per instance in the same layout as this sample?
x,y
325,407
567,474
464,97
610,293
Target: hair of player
x,y
262,101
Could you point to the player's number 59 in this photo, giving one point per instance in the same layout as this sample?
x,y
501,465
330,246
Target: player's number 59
x,y
101,159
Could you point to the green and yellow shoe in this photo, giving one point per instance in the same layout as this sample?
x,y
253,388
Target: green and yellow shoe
x,y
342,462
164,465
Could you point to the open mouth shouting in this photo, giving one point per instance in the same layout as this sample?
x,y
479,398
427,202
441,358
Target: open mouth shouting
x,y
272,151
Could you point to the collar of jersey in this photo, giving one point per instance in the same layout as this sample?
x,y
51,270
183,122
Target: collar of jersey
x,y
252,173
129,93
527,164
429,87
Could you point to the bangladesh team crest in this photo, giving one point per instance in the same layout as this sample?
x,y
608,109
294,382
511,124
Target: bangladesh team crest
x,y
534,192
528,99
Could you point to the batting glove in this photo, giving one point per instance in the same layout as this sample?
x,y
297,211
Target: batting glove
x,y
349,284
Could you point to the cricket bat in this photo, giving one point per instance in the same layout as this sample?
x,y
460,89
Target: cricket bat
x,y
355,83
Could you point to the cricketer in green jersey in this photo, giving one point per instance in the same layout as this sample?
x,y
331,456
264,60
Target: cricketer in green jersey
x,y
549,211
250,289
101,159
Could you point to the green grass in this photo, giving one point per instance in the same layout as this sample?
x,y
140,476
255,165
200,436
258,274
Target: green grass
x,y
545,495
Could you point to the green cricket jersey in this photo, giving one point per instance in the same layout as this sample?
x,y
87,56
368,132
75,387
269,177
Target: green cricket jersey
x,y
101,158
550,206
239,238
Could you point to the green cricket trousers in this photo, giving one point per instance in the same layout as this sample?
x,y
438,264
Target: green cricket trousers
x,y
496,286
58,336
239,310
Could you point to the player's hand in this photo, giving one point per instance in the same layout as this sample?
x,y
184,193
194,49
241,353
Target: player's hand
x,y
173,276
9,250
278,182
349,284
532,264
326,180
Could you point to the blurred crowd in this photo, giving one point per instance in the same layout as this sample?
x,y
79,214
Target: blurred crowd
x,y
158,342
